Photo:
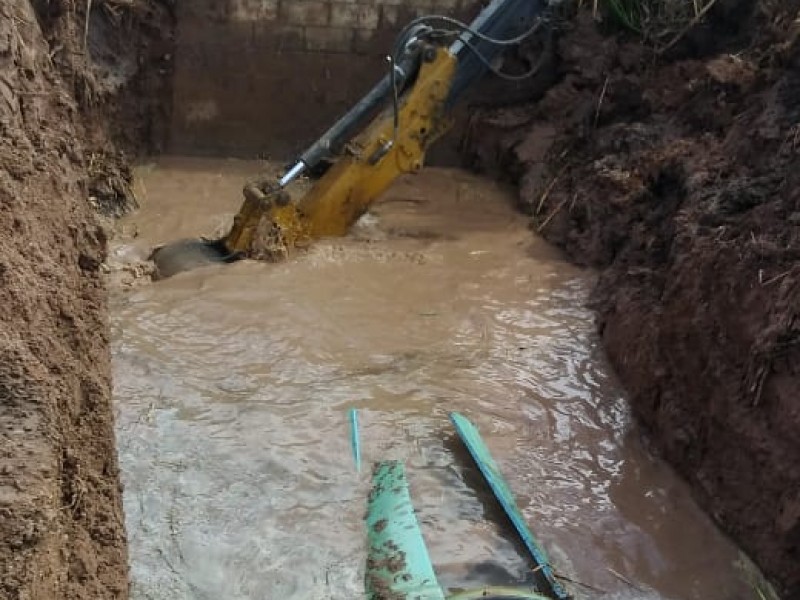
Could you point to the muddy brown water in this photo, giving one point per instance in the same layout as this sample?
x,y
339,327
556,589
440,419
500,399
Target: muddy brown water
x,y
232,385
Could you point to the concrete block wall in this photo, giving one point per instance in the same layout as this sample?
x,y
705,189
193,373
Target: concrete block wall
x,y
266,77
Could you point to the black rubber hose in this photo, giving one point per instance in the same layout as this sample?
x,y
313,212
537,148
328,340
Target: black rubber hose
x,y
405,69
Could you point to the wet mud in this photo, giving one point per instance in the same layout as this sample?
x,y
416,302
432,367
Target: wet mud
x,y
232,384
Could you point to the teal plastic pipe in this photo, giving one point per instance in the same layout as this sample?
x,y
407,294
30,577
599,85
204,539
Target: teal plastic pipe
x,y
491,473
398,564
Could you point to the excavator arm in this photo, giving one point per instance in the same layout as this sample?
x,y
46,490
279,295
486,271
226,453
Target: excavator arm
x,y
269,223
385,135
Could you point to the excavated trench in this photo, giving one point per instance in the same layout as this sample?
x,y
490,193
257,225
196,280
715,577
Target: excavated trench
x,y
231,383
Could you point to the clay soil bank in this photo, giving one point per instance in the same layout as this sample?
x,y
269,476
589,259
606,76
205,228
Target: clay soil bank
x,y
64,123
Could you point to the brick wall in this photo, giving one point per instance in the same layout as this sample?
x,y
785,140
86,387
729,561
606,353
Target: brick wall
x,y
266,77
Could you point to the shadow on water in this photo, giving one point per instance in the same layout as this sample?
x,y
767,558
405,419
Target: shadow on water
x,y
465,471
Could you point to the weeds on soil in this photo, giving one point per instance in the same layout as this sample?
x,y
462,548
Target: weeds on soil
x,y
660,22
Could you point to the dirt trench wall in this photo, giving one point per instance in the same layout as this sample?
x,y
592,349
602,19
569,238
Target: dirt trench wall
x,y
61,524
266,77
116,63
677,176
68,112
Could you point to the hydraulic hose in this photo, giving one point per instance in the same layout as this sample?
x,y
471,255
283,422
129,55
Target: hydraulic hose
x,y
403,70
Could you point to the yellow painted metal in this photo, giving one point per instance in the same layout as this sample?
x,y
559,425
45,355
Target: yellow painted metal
x,y
256,207
369,165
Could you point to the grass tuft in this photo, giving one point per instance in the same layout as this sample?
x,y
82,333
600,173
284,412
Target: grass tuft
x,y
660,22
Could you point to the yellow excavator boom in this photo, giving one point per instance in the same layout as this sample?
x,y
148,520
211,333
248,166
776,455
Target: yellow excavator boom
x,y
269,224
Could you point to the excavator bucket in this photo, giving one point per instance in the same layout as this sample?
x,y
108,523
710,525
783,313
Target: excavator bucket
x,y
259,231
185,255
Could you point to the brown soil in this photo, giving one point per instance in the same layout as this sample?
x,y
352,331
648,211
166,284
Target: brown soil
x,y
61,523
677,176
119,71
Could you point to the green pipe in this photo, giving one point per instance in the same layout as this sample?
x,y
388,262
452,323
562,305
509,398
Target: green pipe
x,y
398,565
491,473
